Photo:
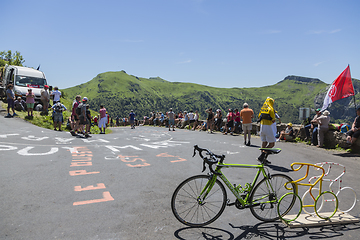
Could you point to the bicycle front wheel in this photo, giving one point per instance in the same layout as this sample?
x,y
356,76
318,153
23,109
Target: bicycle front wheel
x,y
194,209
266,194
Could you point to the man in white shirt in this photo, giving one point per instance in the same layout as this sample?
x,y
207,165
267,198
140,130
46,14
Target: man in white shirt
x,y
56,95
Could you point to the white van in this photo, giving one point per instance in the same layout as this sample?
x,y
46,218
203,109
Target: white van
x,y
24,78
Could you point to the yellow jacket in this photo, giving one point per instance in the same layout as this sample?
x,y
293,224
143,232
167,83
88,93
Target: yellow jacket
x,y
267,111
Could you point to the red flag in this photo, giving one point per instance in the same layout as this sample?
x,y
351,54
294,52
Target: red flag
x,y
342,87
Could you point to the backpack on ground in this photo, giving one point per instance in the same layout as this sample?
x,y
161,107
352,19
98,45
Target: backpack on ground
x,y
345,128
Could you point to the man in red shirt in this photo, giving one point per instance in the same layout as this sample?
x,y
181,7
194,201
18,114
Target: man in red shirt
x,y
230,122
75,121
246,115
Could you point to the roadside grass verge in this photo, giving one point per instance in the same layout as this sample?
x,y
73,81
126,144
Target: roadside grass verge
x,y
44,121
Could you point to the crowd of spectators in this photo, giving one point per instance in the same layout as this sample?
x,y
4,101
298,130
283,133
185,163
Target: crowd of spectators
x,y
234,121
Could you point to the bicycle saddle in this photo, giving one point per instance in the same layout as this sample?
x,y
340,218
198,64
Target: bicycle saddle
x,y
271,150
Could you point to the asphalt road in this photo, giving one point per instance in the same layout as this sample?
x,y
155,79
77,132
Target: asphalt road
x,y
119,186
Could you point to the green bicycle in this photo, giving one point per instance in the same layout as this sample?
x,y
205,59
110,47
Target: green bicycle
x,y
201,199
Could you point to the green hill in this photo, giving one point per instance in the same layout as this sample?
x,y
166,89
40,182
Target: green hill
x,y
120,92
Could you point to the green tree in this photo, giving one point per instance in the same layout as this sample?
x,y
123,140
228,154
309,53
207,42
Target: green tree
x,y
7,57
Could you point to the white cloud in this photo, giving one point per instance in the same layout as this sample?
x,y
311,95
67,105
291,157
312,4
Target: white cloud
x,y
271,31
324,31
184,62
318,63
132,41
335,31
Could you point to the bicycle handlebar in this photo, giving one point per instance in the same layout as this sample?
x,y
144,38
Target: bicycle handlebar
x,y
210,160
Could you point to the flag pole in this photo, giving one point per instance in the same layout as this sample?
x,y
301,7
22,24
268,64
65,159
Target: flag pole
x,y
354,94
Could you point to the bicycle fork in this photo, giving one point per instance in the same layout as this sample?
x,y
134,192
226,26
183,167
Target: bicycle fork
x,y
206,190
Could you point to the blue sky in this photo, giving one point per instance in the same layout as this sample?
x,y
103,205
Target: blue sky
x,y
220,43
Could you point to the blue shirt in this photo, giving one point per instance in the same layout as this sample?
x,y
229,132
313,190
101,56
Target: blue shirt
x,y
132,116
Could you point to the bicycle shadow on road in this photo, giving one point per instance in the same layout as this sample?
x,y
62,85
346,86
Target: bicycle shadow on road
x,y
264,230
203,233
279,230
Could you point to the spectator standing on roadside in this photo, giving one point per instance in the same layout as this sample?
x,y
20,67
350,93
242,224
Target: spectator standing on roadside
x,y
132,119
30,102
45,98
267,118
210,120
323,126
74,116
10,100
58,116
218,120
84,121
314,127
230,122
103,119
246,114
56,94
171,117
354,133
89,118
237,121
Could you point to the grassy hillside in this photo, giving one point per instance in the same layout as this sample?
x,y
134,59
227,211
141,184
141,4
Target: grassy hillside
x,y
120,92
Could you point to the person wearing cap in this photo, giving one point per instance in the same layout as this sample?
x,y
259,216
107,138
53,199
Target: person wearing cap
x,y
103,119
132,119
45,98
30,101
246,115
314,127
323,126
354,133
230,122
288,134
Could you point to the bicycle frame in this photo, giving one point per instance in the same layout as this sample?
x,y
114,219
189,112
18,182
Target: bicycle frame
x,y
231,187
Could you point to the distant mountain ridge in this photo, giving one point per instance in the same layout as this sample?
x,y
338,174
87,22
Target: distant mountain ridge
x,y
120,93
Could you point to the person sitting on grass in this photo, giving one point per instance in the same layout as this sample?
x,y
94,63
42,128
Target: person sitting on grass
x,y
20,104
57,114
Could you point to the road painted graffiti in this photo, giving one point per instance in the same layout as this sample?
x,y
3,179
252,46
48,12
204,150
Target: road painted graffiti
x,y
82,157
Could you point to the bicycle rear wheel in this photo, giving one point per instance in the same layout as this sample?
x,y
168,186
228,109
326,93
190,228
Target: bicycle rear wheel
x,y
194,210
266,194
